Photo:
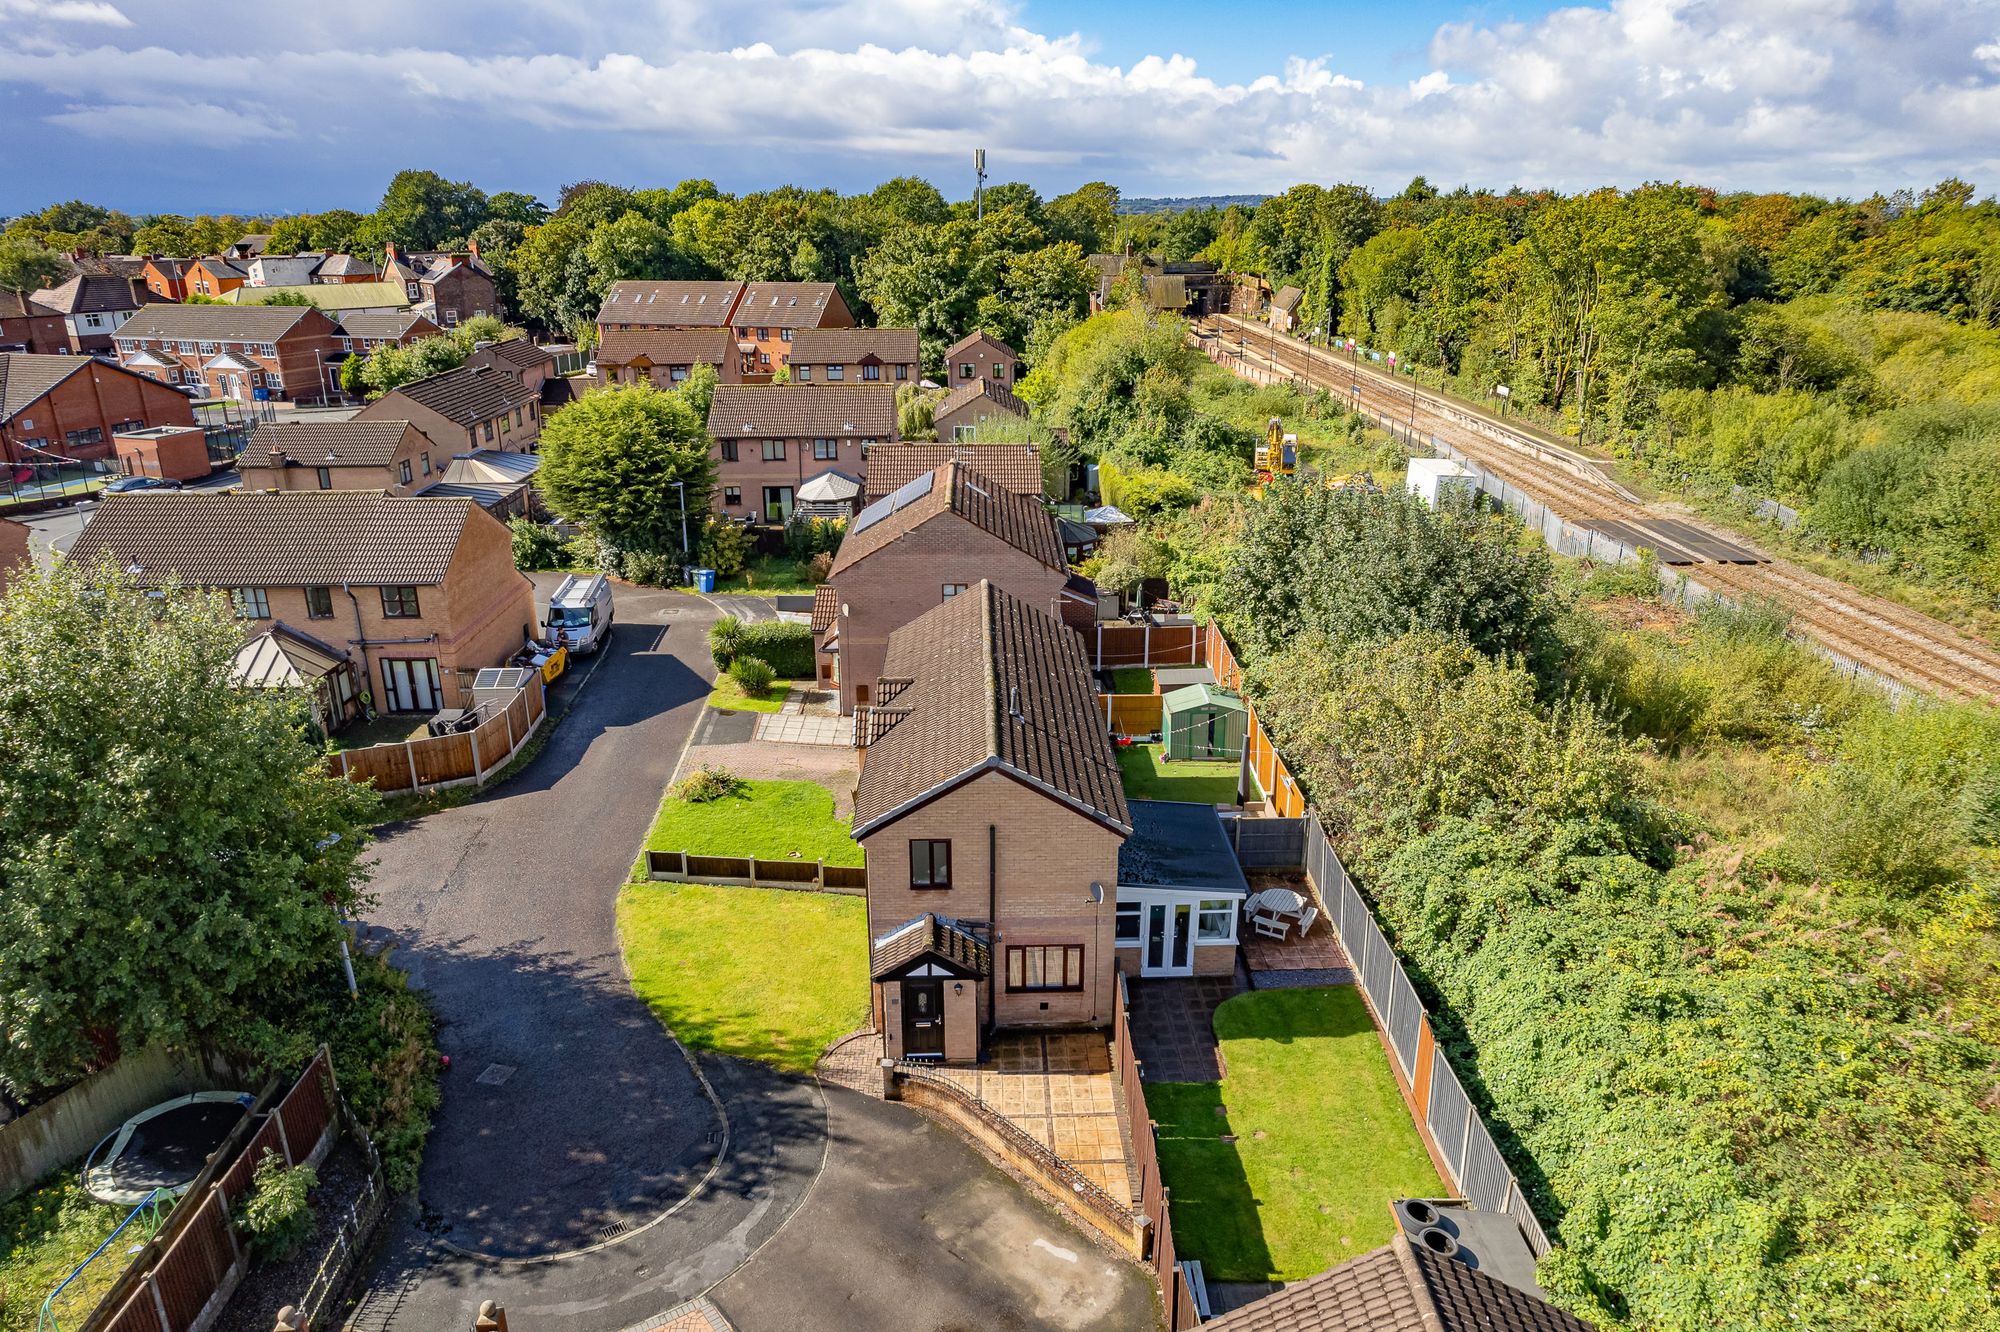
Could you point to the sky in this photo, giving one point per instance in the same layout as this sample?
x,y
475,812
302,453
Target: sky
x,y
250,106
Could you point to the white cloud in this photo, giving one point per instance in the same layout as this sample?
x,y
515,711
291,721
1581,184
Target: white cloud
x,y
1841,95
65,11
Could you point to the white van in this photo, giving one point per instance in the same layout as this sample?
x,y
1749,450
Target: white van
x,y
580,613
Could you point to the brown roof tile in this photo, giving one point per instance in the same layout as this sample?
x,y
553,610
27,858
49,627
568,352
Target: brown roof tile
x,y
218,323
467,396
287,538
26,376
378,323
994,683
327,443
803,411
1015,467
785,304
91,293
1000,395
973,339
519,353
928,935
1016,519
845,346
826,608
19,305
1468,1300
666,346
680,304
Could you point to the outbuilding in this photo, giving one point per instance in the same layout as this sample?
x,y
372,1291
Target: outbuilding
x,y
1180,892
1203,721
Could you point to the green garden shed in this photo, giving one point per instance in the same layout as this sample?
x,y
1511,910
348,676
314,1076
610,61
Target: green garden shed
x,y
1203,721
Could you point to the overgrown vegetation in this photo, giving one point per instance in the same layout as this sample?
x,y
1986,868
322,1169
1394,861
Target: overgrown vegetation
x,y
277,1212
44,1233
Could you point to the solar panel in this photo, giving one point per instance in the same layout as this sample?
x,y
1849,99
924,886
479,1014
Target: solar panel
x,y
911,491
873,514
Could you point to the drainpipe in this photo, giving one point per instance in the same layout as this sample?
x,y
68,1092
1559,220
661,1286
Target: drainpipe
x,y
361,645
993,963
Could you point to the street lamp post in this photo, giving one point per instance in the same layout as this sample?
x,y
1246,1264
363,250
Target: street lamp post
x,y
686,549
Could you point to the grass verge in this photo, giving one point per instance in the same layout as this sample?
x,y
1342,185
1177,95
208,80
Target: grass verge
x,y
771,820
1148,776
755,972
729,695
1287,1166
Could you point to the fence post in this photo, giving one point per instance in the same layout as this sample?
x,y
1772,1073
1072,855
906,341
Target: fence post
x,y
159,1304
507,715
235,1250
410,753
492,1318
478,763
284,1142
753,871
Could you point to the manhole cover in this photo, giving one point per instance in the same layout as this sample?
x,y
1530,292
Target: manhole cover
x,y
495,1074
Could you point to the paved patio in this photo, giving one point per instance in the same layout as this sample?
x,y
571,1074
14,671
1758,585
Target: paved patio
x,y
1314,958
808,716
1173,1027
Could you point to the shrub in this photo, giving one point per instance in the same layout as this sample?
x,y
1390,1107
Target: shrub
x,y
278,1214
724,637
752,675
725,547
787,647
820,566
651,568
710,783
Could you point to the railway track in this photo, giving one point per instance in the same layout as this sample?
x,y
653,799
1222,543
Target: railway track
x,y
1882,637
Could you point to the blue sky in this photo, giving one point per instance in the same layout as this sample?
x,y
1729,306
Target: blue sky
x,y
191,105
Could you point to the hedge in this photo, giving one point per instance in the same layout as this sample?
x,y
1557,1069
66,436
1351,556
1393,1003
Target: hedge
x,y
787,646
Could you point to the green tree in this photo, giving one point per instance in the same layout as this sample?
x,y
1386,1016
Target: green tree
x,y
26,266
553,275
172,848
288,298
611,461
910,199
698,389
169,234
1086,216
632,246
421,210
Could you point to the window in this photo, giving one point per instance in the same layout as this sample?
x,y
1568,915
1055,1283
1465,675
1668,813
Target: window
x,y
784,335
774,450
325,479
965,369
95,321
425,460
1045,967
403,470
803,373
871,372
728,450
1128,922
1217,921
763,335
517,416
250,603
121,427
732,496
267,349
319,603
930,863
902,372
210,348
678,373
272,379
999,369
531,411
400,603
489,432
504,427
764,358
87,436
742,334
256,379
835,373
953,589
347,344
824,449
451,318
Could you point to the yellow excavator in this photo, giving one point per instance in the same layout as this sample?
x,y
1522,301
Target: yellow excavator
x,y
1278,455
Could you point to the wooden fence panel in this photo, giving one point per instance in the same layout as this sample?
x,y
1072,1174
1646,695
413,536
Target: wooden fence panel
x,y
845,878
489,742
718,867
137,1314
388,766
1131,714
442,758
194,1266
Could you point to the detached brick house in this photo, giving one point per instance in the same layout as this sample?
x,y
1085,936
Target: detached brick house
x,y
526,361
855,356
463,410
391,456
166,278
1016,467
458,287
26,325
93,307
958,416
419,593
992,814
927,544
57,408
292,352
665,357
769,440
338,269
770,314
981,356
214,276
633,305
14,550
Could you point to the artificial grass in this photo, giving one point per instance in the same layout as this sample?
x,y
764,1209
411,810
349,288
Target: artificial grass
x,y
1148,776
755,972
1322,1140
44,1234
730,696
1132,680
771,820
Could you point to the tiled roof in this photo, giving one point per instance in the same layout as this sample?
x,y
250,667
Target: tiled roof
x,y
220,266
215,323
255,242
171,268
999,394
928,935
1018,520
784,304
343,265
284,538
90,293
973,339
328,295
377,323
826,608
687,304
666,346
1287,298
1468,1300
802,411
519,353
1015,467
845,346
26,376
994,683
20,305
468,395
327,443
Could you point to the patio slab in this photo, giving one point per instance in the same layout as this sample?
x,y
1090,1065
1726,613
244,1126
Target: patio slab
x,y
1173,1026
804,728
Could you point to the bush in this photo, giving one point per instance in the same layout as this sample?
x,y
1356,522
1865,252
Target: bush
x,y
650,568
787,647
724,636
752,675
537,546
725,547
820,566
711,783
278,1214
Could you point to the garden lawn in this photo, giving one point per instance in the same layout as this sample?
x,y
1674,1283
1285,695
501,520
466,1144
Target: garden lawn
x,y
1322,1140
756,972
771,820
1132,680
771,576
1149,777
44,1234
728,694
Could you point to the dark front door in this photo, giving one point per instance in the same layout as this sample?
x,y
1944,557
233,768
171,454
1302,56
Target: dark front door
x,y
923,1017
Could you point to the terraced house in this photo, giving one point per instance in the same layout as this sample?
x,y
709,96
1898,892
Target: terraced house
x,y
289,352
391,456
855,356
472,407
769,440
771,314
763,318
420,593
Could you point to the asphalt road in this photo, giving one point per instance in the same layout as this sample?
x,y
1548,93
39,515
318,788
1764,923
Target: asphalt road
x,y
51,532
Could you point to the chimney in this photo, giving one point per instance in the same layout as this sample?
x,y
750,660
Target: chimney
x,y
388,254
278,459
472,248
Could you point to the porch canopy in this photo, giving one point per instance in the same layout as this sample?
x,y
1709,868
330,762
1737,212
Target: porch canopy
x,y
929,945
283,658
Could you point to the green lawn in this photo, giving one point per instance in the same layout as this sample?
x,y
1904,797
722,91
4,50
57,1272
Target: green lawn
x,y
728,694
1148,776
756,972
770,576
44,1234
1132,680
772,820
1322,1140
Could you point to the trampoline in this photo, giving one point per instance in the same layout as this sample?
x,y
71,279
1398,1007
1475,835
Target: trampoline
x,y
163,1148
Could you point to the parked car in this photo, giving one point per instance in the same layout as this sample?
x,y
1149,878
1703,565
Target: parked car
x,y
129,483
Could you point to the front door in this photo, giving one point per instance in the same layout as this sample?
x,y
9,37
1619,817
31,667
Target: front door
x,y
923,1017
1169,940
410,685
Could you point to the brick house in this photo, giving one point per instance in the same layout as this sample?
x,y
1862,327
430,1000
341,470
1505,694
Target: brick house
x,y
472,407
362,331
665,357
391,456
166,277
54,408
456,288
1016,467
926,544
419,593
958,416
768,440
636,304
292,352
337,269
532,365
213,275
981,356
93,307
26,325
282,270
855,356
991,811
770,314
14,550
